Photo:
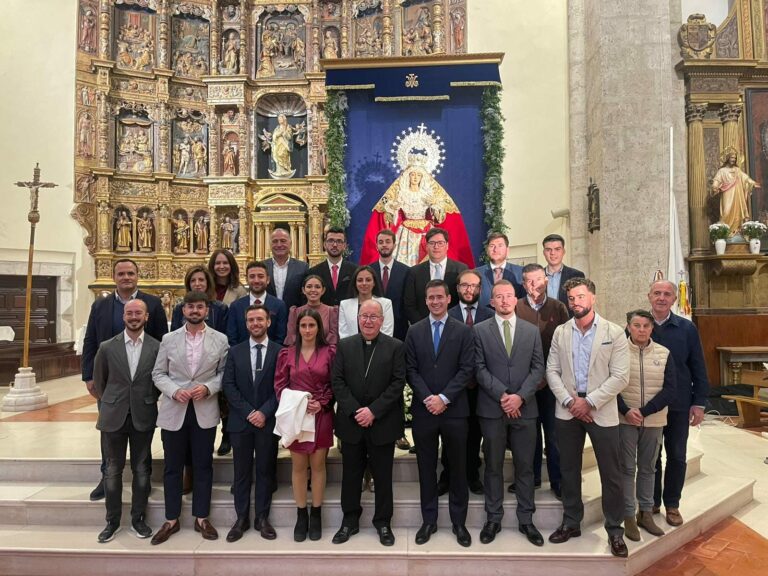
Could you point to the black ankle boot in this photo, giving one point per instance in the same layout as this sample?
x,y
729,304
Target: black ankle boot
x,y
302,525
315,523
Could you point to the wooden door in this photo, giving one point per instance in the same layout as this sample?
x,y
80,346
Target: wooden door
x,y
43,315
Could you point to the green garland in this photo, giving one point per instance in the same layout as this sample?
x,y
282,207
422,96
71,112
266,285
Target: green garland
x,y
336,142
493,156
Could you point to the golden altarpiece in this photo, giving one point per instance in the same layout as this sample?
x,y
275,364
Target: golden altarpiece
x,y
725,68
200,124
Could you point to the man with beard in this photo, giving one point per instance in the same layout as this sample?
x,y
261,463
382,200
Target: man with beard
x,y
498,268
392,275
336,271
588,366
257,276
188,372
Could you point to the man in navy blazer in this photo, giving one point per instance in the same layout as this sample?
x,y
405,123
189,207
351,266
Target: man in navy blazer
x,y
106,321
557,272
285,273
248,383
258,279
497,248
439,365
395,273
335,242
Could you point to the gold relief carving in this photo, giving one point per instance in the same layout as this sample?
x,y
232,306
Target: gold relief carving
x,y
438,34
697,38
103,268
746,29
226,92
85,215
730,112
165,270
179,269
84,188
226,194
133,189
147,270
727,40
189,93
734,267
713,84
132,85
86,94
695,112
189,194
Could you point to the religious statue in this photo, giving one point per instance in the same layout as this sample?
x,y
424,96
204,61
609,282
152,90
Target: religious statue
x,y
144,229
199,151
201,236
87,41
227,233
280,142
230,63
167,302
735,189
269,46
85,136
458,23
123,232
181,234
330,45
230,160
184,154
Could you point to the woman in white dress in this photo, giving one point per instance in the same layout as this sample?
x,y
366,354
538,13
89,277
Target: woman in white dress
x,y
364,286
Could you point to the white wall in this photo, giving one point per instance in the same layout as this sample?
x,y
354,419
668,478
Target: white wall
x,y
714,10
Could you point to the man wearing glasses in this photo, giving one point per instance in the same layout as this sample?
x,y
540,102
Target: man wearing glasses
x,y
336,272
437,267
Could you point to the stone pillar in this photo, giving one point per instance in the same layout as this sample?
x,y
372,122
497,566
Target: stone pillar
x,y
162,41
102,127
243,154
729,116
316,48
387,43
344,40
213,229
164,143
214,49
105,11
697,179
438,32
243,35
301,247
214,156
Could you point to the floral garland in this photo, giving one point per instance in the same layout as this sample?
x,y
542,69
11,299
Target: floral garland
x,y
336,142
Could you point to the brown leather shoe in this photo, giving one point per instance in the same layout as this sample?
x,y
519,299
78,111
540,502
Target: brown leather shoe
x,y
166,531
645,521
563,534
673,517
618,547
265,528
631,530
206,529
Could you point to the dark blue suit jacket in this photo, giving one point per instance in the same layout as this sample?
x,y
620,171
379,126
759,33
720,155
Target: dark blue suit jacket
x,y
236,330
292,295
100,327
216,319
512,272
481,313
447,373
243,393
398,272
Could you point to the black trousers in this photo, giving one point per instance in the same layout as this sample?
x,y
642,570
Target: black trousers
x,y
354,459
176,444
675,444
427,432
605,441
115,445
545,402
257,445
474,437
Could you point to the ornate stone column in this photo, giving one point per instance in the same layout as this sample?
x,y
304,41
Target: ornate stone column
x,y
245,232
438,33
344,29
315,235
316,50
214,24
163,229
697,179
162,40
104,23
387,43
214,157
243,36
104,230
163,137
102,127
729,116
244,154
301,246
213,229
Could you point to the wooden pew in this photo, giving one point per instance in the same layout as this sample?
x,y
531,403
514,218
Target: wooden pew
x,y
749,406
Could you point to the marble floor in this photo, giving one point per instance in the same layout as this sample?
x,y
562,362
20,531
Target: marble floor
x,y
738,545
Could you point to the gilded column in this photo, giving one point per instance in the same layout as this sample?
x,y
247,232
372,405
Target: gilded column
x,y
315,234
301,247
697,179
259,235
162,41
344,28
102,109
213,229
244,147
104,23
163,229
386,33
164,137
214,24
729,116
438,35
243,36
213,145
265,241
294,236
104,229
316,50
245,232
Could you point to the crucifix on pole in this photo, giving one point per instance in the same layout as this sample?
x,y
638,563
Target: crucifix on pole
x,y
26,394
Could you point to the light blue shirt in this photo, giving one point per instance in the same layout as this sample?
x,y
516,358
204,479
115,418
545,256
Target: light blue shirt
x,y
553,282
443,320
582,350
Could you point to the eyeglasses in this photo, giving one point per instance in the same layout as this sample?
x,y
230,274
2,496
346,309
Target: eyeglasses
x,y
464,286
368,317
334,241
437,243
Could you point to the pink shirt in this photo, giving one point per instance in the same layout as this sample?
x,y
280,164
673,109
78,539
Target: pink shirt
x,y
194,342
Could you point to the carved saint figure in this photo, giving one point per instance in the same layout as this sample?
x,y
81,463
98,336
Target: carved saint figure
x,y
231,61
201,235
84,135
123,226
227,233
269,47
199,151
144,230
181,234
458,23
330,45
167,302
280,142
735,188
185,151
230,160
88,32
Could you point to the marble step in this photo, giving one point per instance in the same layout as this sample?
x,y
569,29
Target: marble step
x,y
31,503
43,549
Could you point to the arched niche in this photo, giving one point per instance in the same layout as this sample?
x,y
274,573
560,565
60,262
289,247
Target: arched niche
x,y
281,127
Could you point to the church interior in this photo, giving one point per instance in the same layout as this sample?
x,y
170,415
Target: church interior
x,y
174,128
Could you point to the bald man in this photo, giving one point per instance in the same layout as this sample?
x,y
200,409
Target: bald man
x,y
285,273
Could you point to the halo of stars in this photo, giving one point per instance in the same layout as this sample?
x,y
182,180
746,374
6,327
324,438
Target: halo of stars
x,y
420,138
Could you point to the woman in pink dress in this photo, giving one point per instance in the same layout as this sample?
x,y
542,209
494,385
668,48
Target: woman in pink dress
x,y
313,289
306,366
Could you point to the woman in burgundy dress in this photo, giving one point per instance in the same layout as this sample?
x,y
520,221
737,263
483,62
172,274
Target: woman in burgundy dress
x,y
306,366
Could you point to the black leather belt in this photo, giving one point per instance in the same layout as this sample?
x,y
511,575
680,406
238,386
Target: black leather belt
x,y
582,394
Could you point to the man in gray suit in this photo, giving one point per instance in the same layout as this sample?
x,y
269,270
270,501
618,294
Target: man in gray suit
x,y
285,273
510,364
122,379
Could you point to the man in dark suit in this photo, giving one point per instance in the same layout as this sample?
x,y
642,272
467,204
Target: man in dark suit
x,y
122,378
437,267
498,268
557,272
368,379
468,312
106,321
510,365
392,275
439,364
285,273
248,383
258,279
336,271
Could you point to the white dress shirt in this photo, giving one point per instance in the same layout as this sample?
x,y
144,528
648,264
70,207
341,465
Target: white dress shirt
x,y
133,351
433,273
512,323
279,276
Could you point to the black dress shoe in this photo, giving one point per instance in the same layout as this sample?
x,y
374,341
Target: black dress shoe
x,y
476,487
385,536
98,492
533,535
442,488
265,528
109,532
224,448
462,535
424,533
240,526
489,531
140,528
344,534
618,547
563,534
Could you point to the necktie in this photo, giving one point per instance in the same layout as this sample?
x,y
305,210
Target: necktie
x,y
257,301
436,336
438,272
497,273
470,321
507,337
258,359
385,278
335,275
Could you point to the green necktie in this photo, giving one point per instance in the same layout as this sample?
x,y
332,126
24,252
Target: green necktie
x,y
507,338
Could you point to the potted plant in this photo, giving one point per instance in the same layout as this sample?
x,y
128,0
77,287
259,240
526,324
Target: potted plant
x,y
753,230
718,233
